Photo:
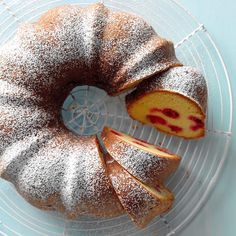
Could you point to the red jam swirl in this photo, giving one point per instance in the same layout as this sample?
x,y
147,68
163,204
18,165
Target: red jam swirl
x,y
175,128
198,123
156,119
170,113
166,111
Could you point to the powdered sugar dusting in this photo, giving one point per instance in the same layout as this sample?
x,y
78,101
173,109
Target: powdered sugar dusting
x,y
135,195
17,155
153,56
144,165
85,183
123,35
9,89
16,121
136,200
21,67
57,163
16,149
68,188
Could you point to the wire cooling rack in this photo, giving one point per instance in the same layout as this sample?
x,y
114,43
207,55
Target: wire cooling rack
x,y
88,109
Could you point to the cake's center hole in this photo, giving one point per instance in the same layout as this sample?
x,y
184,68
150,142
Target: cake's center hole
x,y
84,111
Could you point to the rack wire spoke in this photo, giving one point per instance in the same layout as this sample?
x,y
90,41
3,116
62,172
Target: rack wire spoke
x,y
10,11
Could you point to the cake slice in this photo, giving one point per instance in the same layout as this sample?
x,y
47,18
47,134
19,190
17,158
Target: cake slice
x,y
149,163
141,202
174,102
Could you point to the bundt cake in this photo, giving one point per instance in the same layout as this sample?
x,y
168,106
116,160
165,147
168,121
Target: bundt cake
x,y
66,47
140,201
147,162
174,102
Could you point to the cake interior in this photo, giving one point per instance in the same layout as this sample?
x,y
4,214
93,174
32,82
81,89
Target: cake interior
x,y
170,112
